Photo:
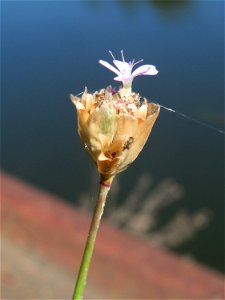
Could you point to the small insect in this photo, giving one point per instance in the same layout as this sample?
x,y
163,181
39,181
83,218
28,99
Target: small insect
x,y
128,143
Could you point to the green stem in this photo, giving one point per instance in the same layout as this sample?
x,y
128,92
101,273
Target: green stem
x,y
105,185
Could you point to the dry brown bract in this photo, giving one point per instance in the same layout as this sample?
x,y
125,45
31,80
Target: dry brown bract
x,y
114,127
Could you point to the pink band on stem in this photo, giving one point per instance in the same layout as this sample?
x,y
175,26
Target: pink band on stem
x,y
105,184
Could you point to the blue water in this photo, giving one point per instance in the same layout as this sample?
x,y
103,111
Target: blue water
x,y
51,49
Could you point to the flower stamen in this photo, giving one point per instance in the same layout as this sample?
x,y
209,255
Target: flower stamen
x,y
122,56
110,52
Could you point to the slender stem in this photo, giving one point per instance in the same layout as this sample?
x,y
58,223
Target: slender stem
x,y
105,185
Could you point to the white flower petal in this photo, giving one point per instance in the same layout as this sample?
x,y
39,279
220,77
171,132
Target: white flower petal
x,y
145,70
124,67
127,81
152,71
108,66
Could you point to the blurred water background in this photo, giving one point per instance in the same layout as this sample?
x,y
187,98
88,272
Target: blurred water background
x,y
51,49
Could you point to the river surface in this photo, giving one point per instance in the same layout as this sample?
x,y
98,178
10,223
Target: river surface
x,y
51,49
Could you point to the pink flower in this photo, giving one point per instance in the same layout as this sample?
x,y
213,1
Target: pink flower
x,y
124,70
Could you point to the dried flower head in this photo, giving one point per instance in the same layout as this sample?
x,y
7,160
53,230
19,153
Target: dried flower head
x,y
114,126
